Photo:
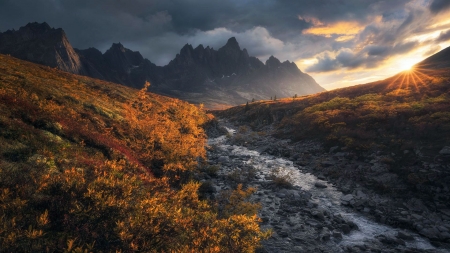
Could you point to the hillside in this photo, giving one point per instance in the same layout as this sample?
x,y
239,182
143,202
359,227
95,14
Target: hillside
x,y
226,76
87,165
391,137
411,106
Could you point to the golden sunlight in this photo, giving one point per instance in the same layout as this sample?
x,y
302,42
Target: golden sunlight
x,y
405,63
406,66
341,28
413,79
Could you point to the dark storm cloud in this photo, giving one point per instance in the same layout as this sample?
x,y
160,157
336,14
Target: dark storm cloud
x,y
444,36
439,5
159,28
101,22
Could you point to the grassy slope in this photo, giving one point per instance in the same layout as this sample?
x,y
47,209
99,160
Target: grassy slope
x,y
395,112
86,164
407,115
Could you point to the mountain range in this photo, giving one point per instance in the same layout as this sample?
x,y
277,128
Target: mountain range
x,y
227,76
95,165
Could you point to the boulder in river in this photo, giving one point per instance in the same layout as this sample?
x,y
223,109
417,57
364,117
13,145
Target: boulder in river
x,y
445,150
320,185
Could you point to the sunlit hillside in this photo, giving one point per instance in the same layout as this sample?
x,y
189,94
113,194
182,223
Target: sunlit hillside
x,y
409,108
87,165
406,117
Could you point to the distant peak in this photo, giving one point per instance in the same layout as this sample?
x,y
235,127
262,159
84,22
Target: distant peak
x,y
199,47
272,61
187,48
232,42
117,45
35,26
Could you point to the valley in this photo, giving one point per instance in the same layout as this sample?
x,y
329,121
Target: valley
x,y
310,212
218,135
382,145
218,78
359,169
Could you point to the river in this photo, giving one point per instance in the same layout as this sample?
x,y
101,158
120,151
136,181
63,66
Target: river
x,y
325,199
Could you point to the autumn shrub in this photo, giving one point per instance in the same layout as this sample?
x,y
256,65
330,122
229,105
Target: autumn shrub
x,y
81,172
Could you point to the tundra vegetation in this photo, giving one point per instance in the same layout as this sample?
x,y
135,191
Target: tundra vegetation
x,y
91,166
406,117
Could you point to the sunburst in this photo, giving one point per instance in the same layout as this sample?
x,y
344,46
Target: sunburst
x,y
413,78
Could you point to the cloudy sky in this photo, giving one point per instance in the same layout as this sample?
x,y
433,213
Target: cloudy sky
x,y
338,42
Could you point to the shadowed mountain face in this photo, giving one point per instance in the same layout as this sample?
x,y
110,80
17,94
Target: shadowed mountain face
x,y
41,44
202,75
230,74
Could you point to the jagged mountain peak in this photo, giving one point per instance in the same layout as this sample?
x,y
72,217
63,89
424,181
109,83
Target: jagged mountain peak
x,y
92,50
38,42
273,62
232,43
117,47
35,30
122,57
199,47
186,48
37,27
225,76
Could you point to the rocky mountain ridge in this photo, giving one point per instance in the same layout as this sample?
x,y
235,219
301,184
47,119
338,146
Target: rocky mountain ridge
x,y
199,75
42,44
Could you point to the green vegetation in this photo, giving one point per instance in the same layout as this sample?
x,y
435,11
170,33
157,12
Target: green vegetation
x,y
91,166
405,117
410,110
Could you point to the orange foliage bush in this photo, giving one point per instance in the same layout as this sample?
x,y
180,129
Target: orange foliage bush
x,y
90,166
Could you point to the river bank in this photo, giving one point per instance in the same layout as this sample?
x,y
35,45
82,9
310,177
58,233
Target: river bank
x,y
308,210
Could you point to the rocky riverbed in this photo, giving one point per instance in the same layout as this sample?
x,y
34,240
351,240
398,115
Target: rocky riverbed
x,y
310,209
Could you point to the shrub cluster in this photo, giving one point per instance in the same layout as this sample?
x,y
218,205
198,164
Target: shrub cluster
x,y
90,166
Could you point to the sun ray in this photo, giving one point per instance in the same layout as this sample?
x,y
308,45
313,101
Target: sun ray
x,y
393,82
413,78
401,84
419,78
426,77
423,69
407,74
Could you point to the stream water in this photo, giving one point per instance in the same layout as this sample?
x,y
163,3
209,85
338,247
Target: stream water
x,y
328,198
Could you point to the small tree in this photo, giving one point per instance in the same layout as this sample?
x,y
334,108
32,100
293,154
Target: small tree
x,y
246,106
253,100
